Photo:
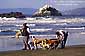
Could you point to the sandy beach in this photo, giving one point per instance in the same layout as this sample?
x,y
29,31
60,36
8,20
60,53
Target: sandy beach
x,y
77,50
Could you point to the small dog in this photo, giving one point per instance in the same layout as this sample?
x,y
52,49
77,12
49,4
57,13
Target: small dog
x,y
18,33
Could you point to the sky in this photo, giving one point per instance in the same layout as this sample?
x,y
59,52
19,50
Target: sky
x,y
58,4
21,3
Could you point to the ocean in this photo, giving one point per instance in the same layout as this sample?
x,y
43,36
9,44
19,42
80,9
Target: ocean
x,y
44,27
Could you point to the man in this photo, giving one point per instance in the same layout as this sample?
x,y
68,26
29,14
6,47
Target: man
x,y
63,35
64,40
25,32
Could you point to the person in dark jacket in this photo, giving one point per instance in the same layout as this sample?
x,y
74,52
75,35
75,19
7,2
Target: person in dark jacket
x,y
64,40
64,35
25,32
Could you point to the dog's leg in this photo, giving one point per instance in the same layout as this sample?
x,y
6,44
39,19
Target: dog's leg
x,y
35,45
56,46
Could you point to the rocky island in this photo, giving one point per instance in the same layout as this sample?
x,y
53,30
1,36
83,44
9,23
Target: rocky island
x,y
47,10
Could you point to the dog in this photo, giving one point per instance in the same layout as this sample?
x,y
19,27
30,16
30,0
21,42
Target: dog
x,y
37,41
18,33
50,43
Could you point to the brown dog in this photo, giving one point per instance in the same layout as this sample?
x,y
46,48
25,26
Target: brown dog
x,y
50,43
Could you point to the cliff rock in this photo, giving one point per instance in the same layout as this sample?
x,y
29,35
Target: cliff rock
x,y
47,11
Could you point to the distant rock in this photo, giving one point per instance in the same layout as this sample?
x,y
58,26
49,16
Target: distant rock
x,y
47,11
25,11
13,14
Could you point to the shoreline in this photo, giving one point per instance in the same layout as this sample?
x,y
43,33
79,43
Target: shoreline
x,y
75,50
66,47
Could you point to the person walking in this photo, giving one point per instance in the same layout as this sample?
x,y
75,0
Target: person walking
x,y
25,32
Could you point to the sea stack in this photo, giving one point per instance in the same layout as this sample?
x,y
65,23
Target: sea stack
x,y
47,10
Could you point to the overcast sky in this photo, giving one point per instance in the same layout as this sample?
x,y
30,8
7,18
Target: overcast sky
x,y
59,4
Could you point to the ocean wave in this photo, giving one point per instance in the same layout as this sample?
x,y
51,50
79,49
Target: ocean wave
x,y
27,25
30,18
75,28
6,30
60,24
8,18
34,30
82,33
41,30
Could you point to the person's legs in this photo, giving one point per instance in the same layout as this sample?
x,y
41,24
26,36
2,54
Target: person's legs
x,y
65,39
62,44
26,42
24,45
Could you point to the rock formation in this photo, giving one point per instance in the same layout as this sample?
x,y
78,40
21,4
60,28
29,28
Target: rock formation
x,y
47,11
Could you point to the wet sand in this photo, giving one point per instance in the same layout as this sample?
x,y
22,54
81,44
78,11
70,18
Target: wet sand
x,y
8,43
77,50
